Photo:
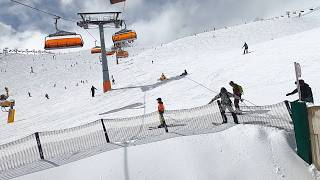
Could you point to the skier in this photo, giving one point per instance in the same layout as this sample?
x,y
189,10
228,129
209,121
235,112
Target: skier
x,y
306,91
184,73
47,96
237,90
226,104
113,81
246,47
161,111
93,91
31,71
29,94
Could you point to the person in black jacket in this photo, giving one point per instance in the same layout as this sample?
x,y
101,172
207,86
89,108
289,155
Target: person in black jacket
x,y
246,48
93,91
306,92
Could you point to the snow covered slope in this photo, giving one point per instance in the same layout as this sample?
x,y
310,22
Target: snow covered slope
x,y
266,154
212,59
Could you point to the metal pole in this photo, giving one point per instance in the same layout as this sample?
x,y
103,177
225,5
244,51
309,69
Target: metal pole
x,y
105,70
297,80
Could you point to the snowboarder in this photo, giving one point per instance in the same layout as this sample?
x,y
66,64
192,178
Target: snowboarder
x,y
237,90
226,104
47,96
184,73
246,47
306,92
93,91
161,111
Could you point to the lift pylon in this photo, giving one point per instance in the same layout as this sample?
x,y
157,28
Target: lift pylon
x,y
102,20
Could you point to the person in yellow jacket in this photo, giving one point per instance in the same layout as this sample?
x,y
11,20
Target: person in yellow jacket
x,y
163,77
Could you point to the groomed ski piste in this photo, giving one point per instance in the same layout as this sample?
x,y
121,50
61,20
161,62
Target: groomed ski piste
x,y
245,151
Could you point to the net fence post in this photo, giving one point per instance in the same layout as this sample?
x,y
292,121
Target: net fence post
x,y
288,107
105,131
39,145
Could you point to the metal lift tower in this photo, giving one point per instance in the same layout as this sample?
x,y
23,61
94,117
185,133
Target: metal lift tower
x,y
102,20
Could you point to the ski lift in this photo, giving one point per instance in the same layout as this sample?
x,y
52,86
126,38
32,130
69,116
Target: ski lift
x,y
124,36
110,53
95,49
122,54
62,39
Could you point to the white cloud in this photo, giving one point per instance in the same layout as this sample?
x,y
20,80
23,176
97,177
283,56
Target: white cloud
x,y
22,40
155,21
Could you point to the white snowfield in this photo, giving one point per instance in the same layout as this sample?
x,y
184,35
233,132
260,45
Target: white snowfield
x,y
212,59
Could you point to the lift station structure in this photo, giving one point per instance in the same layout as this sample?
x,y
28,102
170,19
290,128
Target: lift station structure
x,y
102,20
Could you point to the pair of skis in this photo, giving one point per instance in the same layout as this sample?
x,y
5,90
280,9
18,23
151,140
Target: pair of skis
x,y
166,126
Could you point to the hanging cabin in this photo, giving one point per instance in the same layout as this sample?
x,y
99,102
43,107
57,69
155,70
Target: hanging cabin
x,y
63,40
95,50
122,54
124,35
110,53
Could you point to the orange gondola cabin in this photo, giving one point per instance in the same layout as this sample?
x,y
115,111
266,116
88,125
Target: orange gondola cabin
x,y
95,50
124,36
110,53
62,39
122,54
56,41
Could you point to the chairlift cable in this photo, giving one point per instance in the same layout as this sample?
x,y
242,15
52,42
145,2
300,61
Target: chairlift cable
x,y
42,11
51,14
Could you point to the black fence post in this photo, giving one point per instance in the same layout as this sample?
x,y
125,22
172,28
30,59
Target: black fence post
x,y
39,145
288,107
105,131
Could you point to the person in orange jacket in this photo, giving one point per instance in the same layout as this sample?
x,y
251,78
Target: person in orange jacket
x,y
161,111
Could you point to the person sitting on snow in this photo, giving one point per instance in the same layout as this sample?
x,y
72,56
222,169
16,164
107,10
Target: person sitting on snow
x,y
163,77
184,73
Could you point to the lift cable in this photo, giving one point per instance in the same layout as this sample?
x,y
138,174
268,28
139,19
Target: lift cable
x,y
51,14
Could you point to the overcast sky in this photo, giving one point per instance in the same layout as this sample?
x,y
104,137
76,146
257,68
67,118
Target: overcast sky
x,y
156,21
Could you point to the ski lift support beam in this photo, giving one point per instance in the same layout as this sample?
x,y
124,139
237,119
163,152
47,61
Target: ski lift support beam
x,y
101,19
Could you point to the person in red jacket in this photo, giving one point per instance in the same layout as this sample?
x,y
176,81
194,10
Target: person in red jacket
x,y
161,111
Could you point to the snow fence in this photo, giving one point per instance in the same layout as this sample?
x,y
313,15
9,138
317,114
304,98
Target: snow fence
x,y
44,150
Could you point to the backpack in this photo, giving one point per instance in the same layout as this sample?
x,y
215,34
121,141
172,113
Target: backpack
x,y
240,89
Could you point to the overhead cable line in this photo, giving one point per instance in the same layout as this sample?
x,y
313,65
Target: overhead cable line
x,y
42,11
51,14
